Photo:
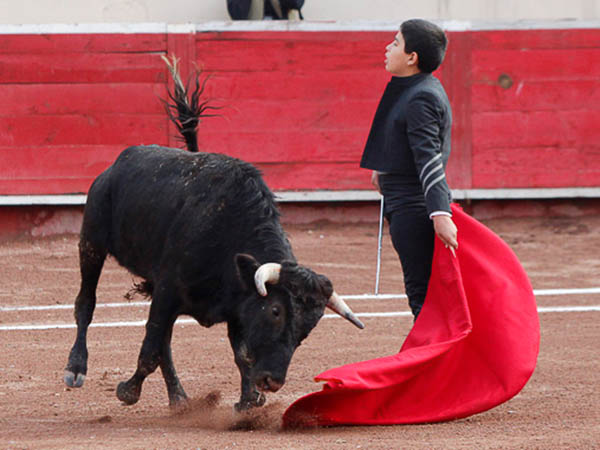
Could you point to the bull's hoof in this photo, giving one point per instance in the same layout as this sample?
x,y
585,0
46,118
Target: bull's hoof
x,y
242,406
260,400
128,393
179,403
73,380
245,404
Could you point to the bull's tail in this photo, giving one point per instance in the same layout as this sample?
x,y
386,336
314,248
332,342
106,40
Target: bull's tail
x,y
186,110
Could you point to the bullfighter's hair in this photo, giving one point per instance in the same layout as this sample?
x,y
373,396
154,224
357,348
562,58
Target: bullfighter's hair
x,y
186,110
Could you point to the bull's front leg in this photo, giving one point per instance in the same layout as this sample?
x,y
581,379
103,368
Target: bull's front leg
x,y
250,397
159,323
150,355
178,399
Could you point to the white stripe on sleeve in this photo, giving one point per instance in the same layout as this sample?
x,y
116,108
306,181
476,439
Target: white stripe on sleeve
x,y
431,161
431,172
433,182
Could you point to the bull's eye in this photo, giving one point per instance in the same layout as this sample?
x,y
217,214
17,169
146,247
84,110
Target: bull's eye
x,y
275,311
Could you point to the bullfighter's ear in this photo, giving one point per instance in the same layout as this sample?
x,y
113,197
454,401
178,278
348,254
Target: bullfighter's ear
x,y
246,268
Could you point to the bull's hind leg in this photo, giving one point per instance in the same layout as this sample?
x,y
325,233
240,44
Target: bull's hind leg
x,y
91,260
158,331
178,399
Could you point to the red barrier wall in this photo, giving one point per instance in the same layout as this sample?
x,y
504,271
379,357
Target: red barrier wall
x,y
298,104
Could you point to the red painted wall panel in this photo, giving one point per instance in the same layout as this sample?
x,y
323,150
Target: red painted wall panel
x,y
64,169
537,167
537,127
526,105
540,38
61,44
71,103
537,96
288,147
91,128
81,68
299,105
65,98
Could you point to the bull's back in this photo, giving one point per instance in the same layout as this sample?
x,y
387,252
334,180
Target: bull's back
x,y
161,198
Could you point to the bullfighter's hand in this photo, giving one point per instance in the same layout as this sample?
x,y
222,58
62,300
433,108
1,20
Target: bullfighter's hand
x,y
446,230
375,180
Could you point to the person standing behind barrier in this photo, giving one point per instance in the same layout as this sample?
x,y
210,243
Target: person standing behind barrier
x,y
408,147
265,9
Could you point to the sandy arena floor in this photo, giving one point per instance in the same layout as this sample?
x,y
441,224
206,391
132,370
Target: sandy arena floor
x,y
558,409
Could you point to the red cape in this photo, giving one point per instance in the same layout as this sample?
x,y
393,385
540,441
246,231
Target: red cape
x,y
474,345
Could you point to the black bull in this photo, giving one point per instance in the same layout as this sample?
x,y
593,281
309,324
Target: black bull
x,y
203,232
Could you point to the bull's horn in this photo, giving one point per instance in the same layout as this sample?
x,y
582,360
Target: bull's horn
x,y
338,305
267,273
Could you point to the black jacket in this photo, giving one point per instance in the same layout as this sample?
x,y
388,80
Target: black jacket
x,y
410,137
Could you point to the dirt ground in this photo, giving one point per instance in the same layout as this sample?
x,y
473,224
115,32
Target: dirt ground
x,y
558,409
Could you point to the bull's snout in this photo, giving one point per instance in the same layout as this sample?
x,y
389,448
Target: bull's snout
x,y
266,382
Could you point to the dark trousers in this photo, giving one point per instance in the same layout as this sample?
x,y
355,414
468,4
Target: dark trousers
x,y
412,235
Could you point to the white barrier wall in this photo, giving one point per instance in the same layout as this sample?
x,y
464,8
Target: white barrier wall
x,y
195,11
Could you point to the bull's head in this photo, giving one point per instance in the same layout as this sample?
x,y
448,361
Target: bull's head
x,y
271,323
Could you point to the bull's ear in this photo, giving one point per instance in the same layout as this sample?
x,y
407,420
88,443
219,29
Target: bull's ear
x,y
246,268
325,285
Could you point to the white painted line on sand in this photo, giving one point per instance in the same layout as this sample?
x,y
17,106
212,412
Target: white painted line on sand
x,y
141,323
71,306
549,309
552,309
537,293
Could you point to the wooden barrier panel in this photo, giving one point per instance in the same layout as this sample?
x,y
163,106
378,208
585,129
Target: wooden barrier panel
x,y
535,99
71,103
298,104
